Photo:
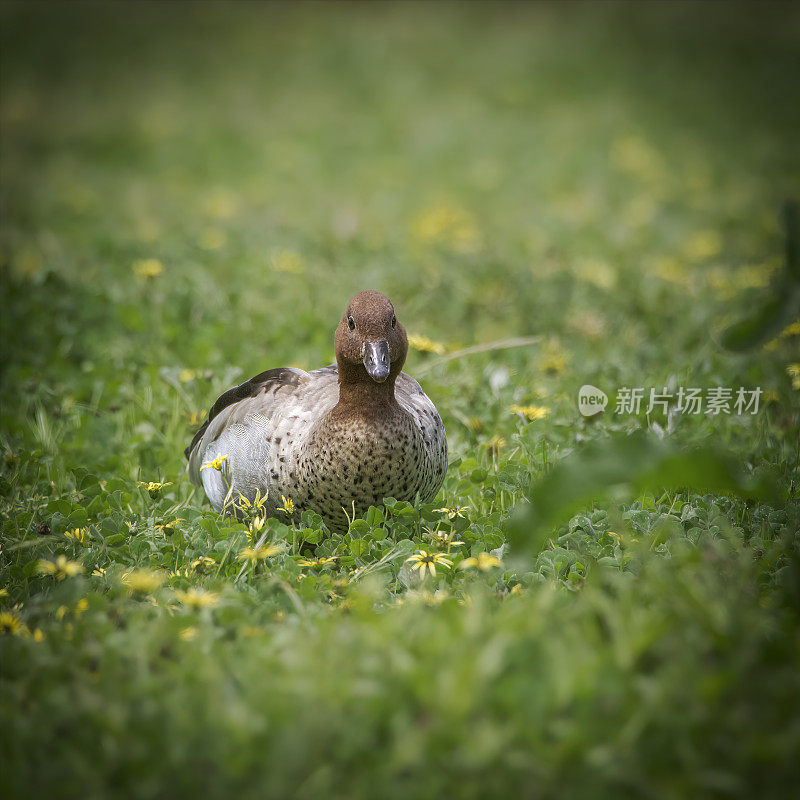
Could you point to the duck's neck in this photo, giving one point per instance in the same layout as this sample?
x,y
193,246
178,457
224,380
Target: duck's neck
x,y
358,391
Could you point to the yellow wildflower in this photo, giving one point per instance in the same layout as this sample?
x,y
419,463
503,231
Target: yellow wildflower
x,y
287,261
194,418
38,636
148,267
99,572
495,445
255,554
3,594
530,412
9,623
60,568
203,563
220,204
81,606
475,424
425,345
142,580
443,539
451,227
187,375
257,504
422,560
215,463
287,507
187,634
483,561
153,488
316,562
198,598
177,573
169,527
452,513
77,535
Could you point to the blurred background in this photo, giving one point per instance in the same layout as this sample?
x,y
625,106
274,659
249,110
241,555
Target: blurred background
x,y
189,195
203,185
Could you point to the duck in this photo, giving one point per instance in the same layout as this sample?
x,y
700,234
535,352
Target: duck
x,y
335,440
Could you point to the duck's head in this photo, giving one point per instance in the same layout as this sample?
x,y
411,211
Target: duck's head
x,y
370,343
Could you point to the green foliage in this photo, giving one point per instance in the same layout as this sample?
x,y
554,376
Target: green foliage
x,y
190,195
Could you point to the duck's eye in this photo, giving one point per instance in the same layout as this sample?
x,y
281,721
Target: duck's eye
x,y
394,320
352,323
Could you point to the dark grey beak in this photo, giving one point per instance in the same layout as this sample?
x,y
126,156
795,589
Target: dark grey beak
x,y
376,360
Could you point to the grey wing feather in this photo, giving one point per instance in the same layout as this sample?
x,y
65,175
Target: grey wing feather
x,y
258,407
410,396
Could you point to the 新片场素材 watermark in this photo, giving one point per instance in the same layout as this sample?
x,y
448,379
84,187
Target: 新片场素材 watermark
x,y
694,400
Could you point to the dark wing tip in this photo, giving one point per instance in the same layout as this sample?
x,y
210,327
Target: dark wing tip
x,y
270,379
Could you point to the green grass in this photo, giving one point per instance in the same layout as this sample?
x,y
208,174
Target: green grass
x,y
606,178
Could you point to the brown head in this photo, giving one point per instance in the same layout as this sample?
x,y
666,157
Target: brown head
x,y
371,345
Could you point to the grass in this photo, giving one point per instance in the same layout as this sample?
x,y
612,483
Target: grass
x,y
191,194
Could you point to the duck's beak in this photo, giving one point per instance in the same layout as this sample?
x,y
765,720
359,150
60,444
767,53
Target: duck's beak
x,y
376,360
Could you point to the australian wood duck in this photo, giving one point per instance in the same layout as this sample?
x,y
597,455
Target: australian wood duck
x,y
337,438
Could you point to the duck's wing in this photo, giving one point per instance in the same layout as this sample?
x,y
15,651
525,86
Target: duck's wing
x,y
410,396
269,400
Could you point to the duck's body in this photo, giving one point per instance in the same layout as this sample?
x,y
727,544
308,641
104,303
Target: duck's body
x,y
334,439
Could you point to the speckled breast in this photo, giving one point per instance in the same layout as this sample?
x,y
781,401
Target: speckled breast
x,y
362,461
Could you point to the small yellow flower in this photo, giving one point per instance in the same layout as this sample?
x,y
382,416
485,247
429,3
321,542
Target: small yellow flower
x,y
449,227
77,535
169,527
495,444
3,594
216,463
203,564
475,424
187,375
153,488
220,204
148,267
38,636
177,573
530,412
187,634
422,560
316,562
9,623
255,554
287,261
257,504
425,345
452,513
443,539
483,561
81,606
198,598
287,507
194,418
99,572
60,568
142,580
